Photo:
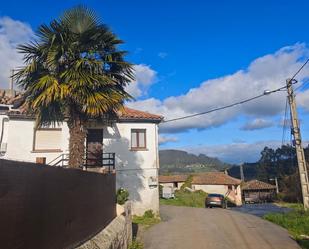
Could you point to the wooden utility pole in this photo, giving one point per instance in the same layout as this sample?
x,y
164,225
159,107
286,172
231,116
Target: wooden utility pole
x,y
302,167
241,168
277,186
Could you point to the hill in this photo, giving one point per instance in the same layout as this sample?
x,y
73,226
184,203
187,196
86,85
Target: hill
x,y
178,161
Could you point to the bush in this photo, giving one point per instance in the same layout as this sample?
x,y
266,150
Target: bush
x,y
122,196
149,214
187,183
147,220
187,198
136,245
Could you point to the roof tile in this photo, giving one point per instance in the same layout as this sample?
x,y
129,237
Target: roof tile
x,y
127,114
209,178
255,185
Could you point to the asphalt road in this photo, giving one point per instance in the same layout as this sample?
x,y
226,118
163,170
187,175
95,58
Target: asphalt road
x,y
197,228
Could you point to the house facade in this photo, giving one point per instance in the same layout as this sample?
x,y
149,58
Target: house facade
x,y
129,143
256,191
209,182
219,183
172,181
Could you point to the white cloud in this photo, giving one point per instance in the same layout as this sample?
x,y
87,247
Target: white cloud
x,y
303,99
167,139
162,55
267,72
257,124
12,33
144,78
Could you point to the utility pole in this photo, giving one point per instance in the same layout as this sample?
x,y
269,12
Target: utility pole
x,y
241,168
276,182
302,167
277,186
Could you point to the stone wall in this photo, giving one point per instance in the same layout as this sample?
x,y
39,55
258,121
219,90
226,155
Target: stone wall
x,y
117,235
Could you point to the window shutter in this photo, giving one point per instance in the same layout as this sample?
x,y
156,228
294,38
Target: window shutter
x,y
134,139
141,139
48,139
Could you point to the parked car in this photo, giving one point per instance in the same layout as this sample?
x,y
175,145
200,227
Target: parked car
x,y
215,200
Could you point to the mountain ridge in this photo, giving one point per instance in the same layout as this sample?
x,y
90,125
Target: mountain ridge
x,y
179,161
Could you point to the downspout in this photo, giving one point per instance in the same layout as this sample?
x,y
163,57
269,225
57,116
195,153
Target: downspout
x,y
157,148
4,119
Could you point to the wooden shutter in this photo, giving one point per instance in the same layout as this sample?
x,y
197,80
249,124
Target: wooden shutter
x,y
47,139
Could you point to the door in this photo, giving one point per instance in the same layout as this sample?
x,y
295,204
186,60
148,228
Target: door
x,y
94,147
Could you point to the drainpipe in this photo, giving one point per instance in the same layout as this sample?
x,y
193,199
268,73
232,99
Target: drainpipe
x,y
4,119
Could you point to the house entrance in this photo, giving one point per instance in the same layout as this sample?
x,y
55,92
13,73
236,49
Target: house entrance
x,y
94,156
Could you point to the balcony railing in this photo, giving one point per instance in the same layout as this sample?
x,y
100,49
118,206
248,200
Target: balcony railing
x,y
104,160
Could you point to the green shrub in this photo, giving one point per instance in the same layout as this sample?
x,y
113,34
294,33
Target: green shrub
x,y
187,198
122,196
187,183
147,220
136,245
149,214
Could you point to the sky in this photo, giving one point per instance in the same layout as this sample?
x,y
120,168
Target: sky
x,y
192,56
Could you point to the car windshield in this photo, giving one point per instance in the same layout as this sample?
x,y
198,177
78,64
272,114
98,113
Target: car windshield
x,y
215,195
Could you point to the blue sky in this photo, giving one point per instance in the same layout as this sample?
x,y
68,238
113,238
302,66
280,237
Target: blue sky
x,y
192,56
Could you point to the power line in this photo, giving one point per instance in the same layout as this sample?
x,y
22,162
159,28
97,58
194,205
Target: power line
x,y
226,106
301,68
301,86
240,102
298,73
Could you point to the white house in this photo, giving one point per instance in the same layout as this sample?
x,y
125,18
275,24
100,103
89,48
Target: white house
x,y
219,183
209,182
131,139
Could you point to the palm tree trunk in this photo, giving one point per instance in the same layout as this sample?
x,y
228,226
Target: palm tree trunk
x,y
76,142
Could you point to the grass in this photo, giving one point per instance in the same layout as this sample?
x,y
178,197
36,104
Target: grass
x,y
295,221
136,244
147,220
186,198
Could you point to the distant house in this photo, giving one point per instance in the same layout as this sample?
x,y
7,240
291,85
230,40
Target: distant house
x,y
219,183
210,182
127,142
257,191
173,181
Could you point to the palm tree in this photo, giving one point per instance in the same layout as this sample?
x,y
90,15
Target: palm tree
x,y
74,72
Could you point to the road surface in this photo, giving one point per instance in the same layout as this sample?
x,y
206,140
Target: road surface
x,y
261,209
198,228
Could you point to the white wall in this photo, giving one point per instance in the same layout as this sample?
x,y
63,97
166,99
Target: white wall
x,y
171,184
211,189
133,168
20,138
234,194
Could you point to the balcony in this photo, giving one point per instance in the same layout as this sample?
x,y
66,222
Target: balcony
x,y
102,160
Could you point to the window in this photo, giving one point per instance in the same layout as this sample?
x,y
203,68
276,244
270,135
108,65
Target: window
x,y
138,139
47,140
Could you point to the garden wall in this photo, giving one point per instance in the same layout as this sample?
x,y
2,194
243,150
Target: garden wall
x,y
48,207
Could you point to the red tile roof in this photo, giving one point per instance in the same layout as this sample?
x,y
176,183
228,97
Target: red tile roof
x,y
172,178
127,114
215,178
131,114
257,185
209,178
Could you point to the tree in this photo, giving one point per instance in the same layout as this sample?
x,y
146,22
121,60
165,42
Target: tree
x,y
73,71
